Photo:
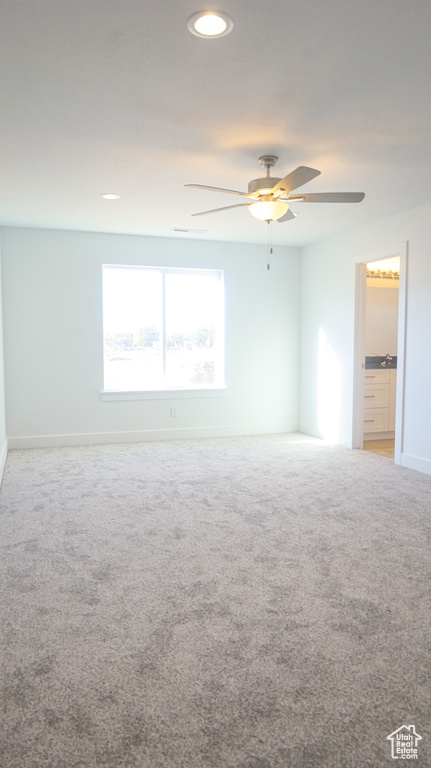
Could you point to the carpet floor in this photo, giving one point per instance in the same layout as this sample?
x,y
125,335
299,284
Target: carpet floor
x,y
256,602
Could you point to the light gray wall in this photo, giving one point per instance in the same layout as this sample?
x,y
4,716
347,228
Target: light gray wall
x,y
381,328
53,329
327,318
53,339
3,436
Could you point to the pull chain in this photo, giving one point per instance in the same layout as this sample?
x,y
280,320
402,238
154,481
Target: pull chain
x,y
268,266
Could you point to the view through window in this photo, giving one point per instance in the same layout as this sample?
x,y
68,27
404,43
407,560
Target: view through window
x,y
163,328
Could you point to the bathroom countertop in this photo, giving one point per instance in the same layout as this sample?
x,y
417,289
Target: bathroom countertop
x,y
380,361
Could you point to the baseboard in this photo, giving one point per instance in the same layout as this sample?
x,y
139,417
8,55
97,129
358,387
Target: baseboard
x,y
3,457
416,462
141,436
368,436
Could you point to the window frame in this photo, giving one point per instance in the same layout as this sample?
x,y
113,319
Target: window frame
x,y
166,392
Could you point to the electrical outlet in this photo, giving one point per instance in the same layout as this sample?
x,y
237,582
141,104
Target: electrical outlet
x,y
174,413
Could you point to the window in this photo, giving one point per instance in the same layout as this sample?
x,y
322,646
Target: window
x,y
163,328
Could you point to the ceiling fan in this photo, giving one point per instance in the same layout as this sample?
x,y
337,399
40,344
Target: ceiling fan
x,y
270,198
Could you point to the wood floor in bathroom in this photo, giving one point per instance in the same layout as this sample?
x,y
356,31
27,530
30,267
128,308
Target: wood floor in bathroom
x,y
382,447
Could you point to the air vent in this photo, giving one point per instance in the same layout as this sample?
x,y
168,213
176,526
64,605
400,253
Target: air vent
x,y
190,231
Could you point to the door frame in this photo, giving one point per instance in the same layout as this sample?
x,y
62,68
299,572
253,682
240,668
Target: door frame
x,y
386,252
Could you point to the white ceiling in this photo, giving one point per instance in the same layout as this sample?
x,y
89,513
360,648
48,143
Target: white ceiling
x,y
101,96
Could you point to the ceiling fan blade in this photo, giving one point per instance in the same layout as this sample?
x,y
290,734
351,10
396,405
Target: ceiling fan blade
x,y
225,208
329,197
287,217
219,189
295,179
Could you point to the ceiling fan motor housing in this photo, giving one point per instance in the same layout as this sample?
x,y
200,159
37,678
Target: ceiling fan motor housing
x,y
263,185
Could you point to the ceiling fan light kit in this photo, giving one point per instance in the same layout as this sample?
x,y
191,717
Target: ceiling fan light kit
x,y
270,197
268,210
210,24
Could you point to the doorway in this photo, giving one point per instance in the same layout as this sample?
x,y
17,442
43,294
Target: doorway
x,y
378,406
381,344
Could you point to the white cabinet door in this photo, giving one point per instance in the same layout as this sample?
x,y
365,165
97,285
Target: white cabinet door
x,y
376,420
376,376
376,396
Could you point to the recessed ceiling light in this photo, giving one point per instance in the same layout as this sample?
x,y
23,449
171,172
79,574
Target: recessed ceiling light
x,y
210,24
110,196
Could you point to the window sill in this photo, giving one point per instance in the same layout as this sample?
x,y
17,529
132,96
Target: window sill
x,y
163,394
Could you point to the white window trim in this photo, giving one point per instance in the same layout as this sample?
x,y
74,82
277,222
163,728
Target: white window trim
x,y
215,391
162,394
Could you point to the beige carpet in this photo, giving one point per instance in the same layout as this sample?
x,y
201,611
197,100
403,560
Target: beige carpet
x,y
227,603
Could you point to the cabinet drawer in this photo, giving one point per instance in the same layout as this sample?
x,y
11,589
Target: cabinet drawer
x,y
376,376
376,395
376,419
